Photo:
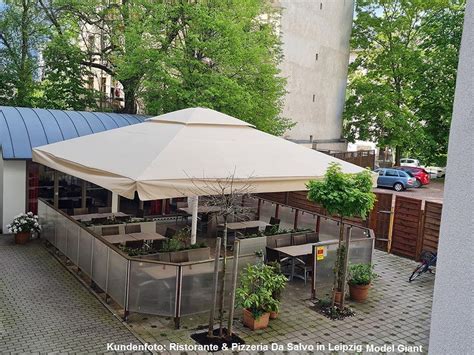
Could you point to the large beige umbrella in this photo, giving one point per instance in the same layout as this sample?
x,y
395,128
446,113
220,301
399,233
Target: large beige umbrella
x,y
183,153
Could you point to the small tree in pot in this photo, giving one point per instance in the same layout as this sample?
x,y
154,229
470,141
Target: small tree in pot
x,y
23,225
255,294
344,195
278,284
360,279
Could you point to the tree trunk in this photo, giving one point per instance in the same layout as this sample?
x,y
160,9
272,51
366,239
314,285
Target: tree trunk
x,y
130,88
398,155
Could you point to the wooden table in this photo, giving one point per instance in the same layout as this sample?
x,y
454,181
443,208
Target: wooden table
x,y
201,209
90,216
118,238
235,226
294,251
122,238
147,236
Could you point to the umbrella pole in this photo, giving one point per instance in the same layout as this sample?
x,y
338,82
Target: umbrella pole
x,y
195,201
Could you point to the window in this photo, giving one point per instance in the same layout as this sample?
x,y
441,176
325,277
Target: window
x,y
391,172
91,40
103,84
90,82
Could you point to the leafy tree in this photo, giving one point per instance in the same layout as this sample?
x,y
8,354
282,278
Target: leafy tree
x,y
344,195
225,57
22,32
64,83
395,43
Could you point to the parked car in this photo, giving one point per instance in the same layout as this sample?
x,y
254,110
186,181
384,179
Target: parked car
x,y
421,175
399,180
435,171
409,162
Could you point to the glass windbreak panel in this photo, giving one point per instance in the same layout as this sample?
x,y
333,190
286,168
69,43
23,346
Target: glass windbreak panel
x,y
117,277
328,229
98,196
46,183
72,240
359,233
306,220
152,288
360,251
61,233
197,288
325,272
99,263
85,251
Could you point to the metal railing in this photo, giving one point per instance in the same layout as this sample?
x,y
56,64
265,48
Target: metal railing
x,y
137,285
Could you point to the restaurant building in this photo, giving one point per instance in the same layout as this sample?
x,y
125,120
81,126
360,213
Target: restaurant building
x,y
22,181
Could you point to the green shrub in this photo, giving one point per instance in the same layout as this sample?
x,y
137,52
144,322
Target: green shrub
x,y
361,274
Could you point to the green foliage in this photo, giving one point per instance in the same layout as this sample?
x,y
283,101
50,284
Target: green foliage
x,y
401,85
23,29
215,54
361,274
181,241
257,285
345,195
64,84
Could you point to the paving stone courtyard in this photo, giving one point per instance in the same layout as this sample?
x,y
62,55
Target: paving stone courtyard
x,y
398,312
44,309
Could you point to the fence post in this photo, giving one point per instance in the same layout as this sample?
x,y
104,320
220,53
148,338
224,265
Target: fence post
x,y
277,210
177,315
127,293
313,278
215,283
295,224
318,225
419,241
390,229
235,270
259,207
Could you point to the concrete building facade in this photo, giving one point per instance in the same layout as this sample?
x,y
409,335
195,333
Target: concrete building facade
x,y
315,37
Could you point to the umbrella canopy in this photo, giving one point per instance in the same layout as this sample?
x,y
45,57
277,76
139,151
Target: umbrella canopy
x,y
186,153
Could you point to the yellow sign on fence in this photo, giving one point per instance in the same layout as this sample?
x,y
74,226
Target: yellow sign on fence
x,y
321,252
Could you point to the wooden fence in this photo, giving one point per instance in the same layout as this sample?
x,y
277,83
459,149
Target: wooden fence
x,y
401,227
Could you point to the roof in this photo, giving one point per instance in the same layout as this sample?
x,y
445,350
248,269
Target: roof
x,y
23,128
187,153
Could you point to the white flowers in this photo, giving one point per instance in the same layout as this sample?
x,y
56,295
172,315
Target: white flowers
x,y
24,222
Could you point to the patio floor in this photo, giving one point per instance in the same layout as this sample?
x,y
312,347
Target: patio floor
x,y
44,309
397,312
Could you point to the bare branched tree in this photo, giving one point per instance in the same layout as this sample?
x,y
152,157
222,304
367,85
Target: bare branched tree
x,y
228,194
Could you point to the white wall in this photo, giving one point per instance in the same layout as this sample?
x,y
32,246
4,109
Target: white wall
x,y
452,318
14,190
310,28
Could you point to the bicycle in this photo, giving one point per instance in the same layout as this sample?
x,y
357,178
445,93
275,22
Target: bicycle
x,y
428,260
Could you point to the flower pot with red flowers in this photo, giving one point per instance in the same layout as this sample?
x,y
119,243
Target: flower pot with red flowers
x,y
23,225
360,279
255,295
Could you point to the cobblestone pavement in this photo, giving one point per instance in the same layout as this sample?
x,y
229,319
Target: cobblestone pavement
x,y
397,312
44,309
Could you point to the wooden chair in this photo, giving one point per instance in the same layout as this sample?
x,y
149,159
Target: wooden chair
x,y
298,239
282,242
104,210
110,230
134,244
78,211
312,237
275,221
133,228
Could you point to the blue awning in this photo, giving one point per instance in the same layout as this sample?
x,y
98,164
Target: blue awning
x,y
23,128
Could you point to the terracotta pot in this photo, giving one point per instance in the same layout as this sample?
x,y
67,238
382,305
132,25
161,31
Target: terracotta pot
x,y
22,237
359,293
273,315
338,298
252,323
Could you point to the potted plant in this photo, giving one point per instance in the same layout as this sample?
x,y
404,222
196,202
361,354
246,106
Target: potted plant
x,y
255,294
277,285
360,279
23,225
